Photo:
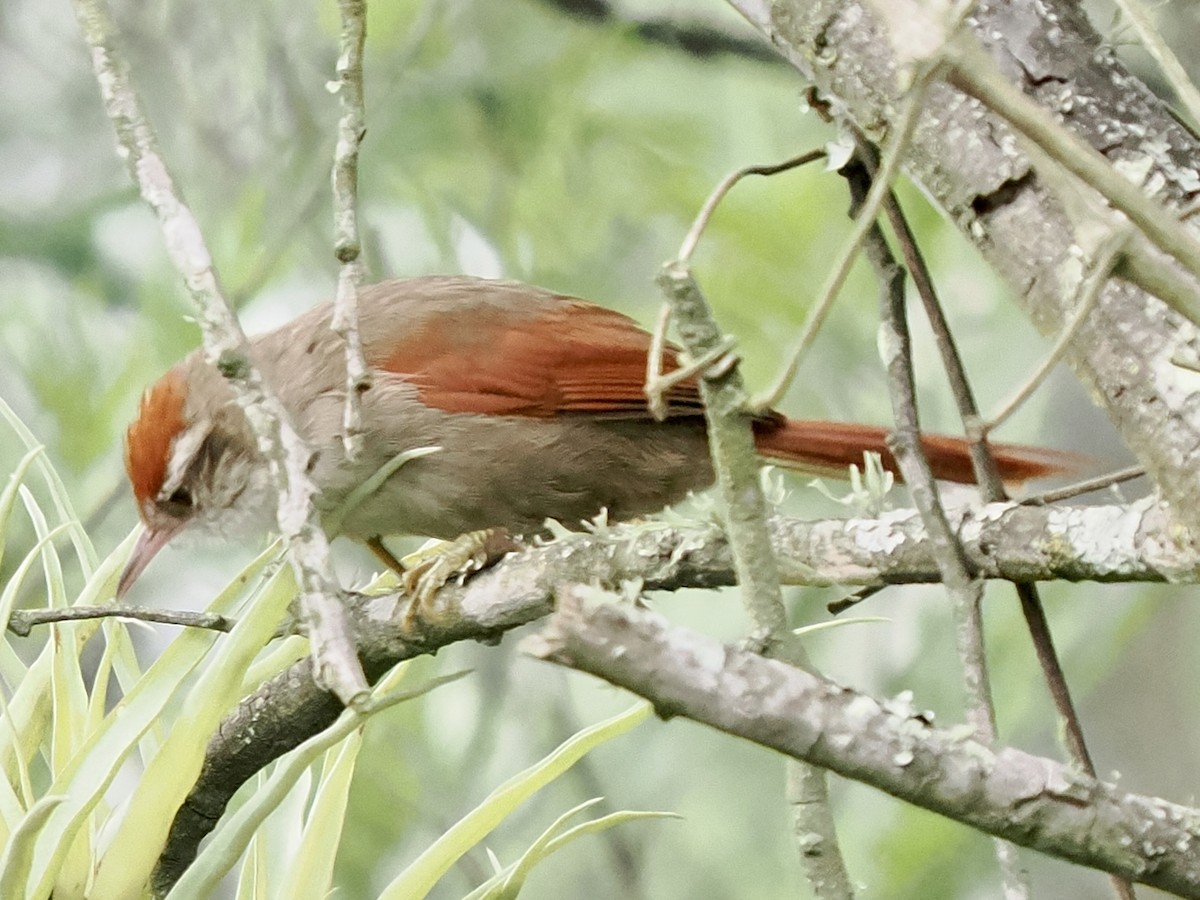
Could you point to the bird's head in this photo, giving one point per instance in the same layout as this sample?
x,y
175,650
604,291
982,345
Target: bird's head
x,y
192,463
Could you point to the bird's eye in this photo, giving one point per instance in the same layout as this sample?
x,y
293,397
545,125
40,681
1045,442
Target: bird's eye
x,y
181,497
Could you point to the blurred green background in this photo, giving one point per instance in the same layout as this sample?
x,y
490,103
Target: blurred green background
x,y
509,139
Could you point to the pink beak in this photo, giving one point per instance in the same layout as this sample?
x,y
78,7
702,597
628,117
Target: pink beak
x,y
148,544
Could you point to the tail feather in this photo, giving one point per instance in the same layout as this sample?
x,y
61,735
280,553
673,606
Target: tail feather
x,y
831,447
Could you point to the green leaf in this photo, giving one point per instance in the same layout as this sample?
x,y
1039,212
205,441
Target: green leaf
x,y
87,777
9,495
419,878
18,854
58,493
312,874
125,867
507,884
231,838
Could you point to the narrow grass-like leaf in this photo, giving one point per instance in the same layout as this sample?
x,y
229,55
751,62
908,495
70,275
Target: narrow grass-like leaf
x,y
8,597
252,882
419,878
504,875
12,810
98,698
88,776
69,718
58,493
18,852
20,780
56,586
125,867
232,836
285,652
29,709
311,876
516,880
9,495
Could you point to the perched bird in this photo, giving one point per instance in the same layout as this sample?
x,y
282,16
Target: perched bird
x,y
535,401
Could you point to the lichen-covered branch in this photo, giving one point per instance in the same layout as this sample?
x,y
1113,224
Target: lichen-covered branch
x,y
1034,233
1003,540
1005,792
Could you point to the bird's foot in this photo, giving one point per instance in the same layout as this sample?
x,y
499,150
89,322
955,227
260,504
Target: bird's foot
x,y
428,569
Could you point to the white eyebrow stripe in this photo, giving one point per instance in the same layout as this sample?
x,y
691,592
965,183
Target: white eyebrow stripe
x,y
183,450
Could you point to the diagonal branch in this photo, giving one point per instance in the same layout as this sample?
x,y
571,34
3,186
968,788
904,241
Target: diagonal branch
x,y
889,745
1003,540
1025,224
226,348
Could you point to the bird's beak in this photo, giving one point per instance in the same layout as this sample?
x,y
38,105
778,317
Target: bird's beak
x,y
149,542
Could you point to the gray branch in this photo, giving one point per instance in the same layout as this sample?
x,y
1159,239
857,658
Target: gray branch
x,y
1013,206
1001,540
226,347
1005,792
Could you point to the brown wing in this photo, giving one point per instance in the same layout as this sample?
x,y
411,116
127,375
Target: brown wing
x,y
567,359
574,358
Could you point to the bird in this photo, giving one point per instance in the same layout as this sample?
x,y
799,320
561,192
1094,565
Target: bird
x,y
531,405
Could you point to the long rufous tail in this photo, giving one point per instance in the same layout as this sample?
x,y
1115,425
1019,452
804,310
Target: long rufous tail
x,y
831,447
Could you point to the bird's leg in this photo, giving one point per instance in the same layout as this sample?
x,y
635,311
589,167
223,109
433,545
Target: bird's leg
x,y
424,572
384,555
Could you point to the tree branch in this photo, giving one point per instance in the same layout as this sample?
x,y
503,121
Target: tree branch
x,y
1103,543
1008,793
1021,221
226,347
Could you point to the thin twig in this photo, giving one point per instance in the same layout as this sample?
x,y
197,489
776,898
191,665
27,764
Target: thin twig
x,y
347,242
226,347
715,361
1099,483
987,474
656,383
735,462
22,621
655,396
840,605
897,142
964,587
734,458
1090,287
714,199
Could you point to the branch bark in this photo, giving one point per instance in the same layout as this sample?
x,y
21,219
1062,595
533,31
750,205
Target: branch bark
x,y
1005,792
1005,540
1013,207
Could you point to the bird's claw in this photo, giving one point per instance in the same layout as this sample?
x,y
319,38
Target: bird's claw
x,y
427,570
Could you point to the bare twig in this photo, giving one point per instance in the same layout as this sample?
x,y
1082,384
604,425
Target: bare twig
x,y
22,621
964,587
725,186
734,457
988,475
658,384
1099,483
226,347
897,141
1105,259
731,444
347,243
